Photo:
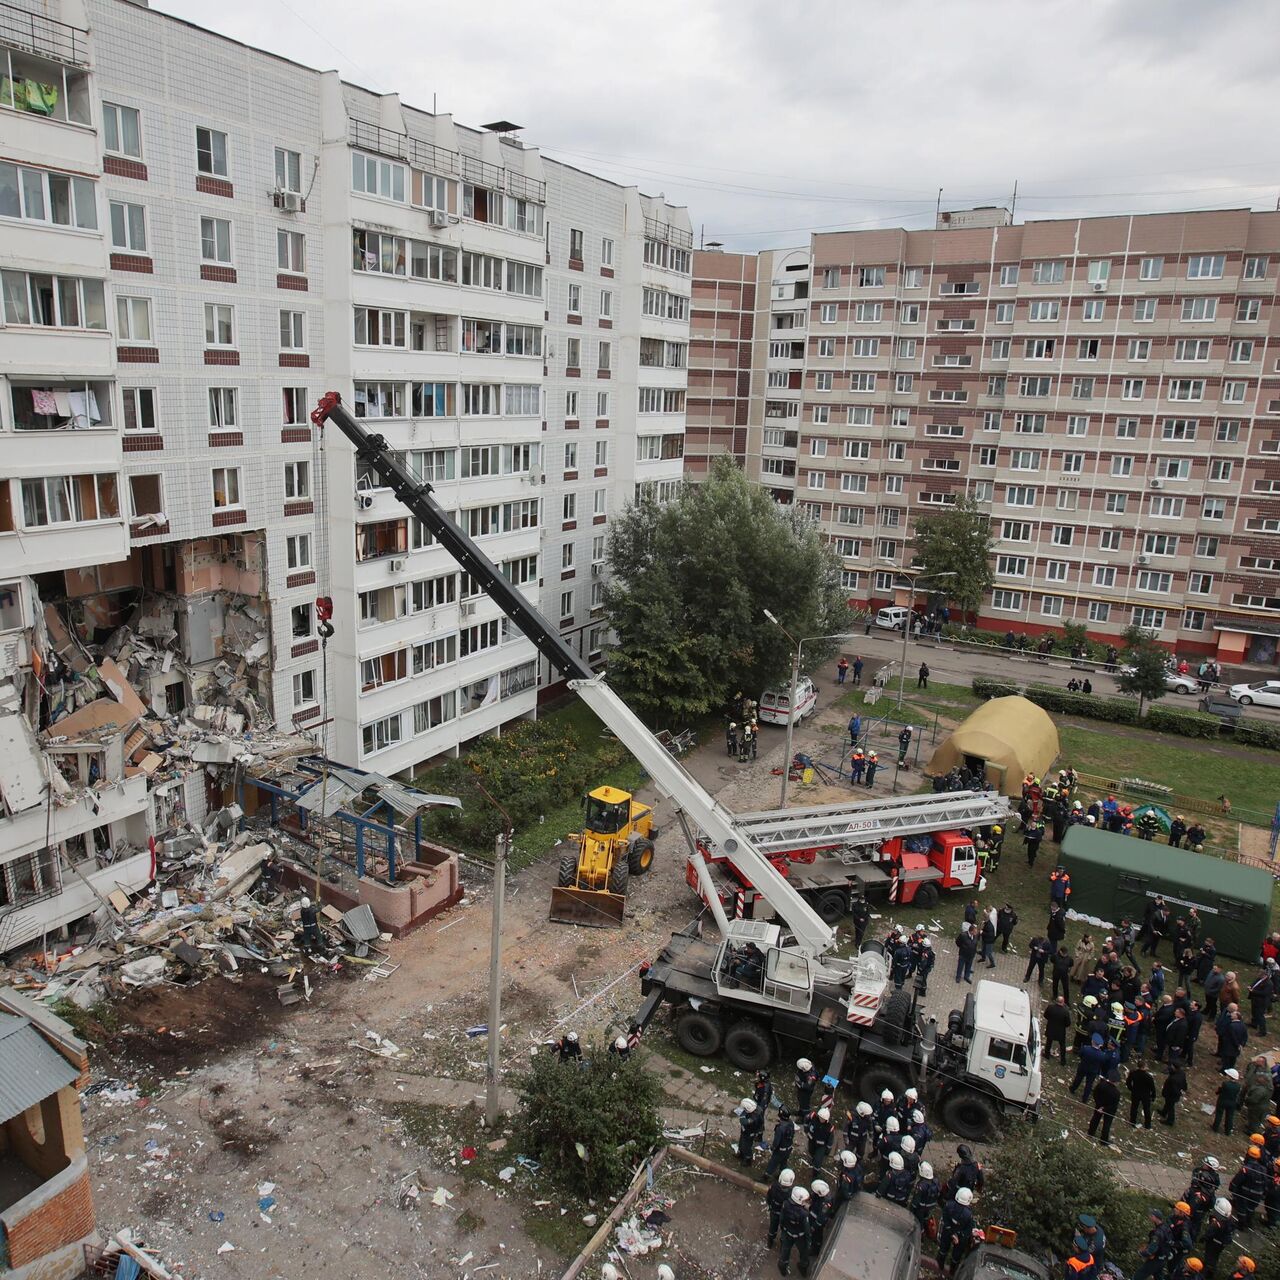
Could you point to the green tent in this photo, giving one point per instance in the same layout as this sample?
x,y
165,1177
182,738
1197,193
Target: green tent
x,y
1114,877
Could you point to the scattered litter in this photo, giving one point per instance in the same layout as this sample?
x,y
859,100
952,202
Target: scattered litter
x,y
508,1173
266,1203
216,1215
226,1247
442,1197
590,1219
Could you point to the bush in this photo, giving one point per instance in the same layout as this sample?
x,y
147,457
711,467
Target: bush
x,y
986,688
1038,1182
1114,710
1257,733
590,1125
1190,724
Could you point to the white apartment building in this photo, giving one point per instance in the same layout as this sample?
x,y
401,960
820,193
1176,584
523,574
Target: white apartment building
x,y
269,233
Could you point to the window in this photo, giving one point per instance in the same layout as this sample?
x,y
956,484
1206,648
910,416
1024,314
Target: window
x,y
292,330
822,382
133,319
603,357
211,152
139,409
1082,388
1206,267
1167,508
1049,272
1029,423
606,304
128,225
573,353
69,499
1116,503
1099,611
566,604
1007,601
1228,431
826,347
903,382
900,418
870,277
1191,350
912,278
868,312
1197,309
828,313
1000,349
1077,425
817,480
121,130
987,456
377,328
1255,268
1040,348
1024,460
215,240
482,271
1035,388
863,382
909,313
1011,566
821,414
1149,619
304,688
1068,500
1234,392
1020,495
1109,540
374,177
1213,509
1173,468
1241,351
1179,428
1008,276
575,245
1051,606
219,325
1248,310
37,195
1186,389
1044,311
1087,348
382,734
1127,428
226,487
222,409
1016,530
1121,465
1133,388
1094,309
575,299
1150,268
297,480
1063,535
1160,544
857,449
298,551
288,170
1004,313
1144,310
291,251
1199,584
569,507
1104,575
606,252
1153,582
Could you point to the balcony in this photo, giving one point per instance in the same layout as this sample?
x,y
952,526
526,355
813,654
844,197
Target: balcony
x,y
44,37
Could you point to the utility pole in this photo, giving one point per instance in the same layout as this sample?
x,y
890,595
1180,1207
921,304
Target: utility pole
x,y
501,849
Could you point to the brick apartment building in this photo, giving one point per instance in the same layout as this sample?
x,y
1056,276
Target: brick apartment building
x,y
1108,388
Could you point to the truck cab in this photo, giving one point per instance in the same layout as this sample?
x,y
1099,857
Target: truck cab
x,y
933,861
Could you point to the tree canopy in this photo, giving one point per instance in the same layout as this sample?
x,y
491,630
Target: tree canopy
x,y
1144,663
956,540
689,585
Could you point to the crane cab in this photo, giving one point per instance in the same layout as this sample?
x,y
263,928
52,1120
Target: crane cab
x,y
754,965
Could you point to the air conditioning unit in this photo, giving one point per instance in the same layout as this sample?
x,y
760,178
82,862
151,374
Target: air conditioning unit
x,y
397,564
1157,483
1142,559
535,475
289,201
439,218
364,501
1099,286
467,609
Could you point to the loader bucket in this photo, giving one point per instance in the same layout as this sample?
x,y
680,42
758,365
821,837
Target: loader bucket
x,y
595,907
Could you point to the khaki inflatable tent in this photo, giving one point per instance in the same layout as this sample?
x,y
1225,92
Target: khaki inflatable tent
x,y
1005,739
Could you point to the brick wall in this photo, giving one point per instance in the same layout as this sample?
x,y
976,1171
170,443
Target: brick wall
x,y
58,1219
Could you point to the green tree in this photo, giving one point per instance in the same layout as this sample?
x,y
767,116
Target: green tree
x,y
690,582
590,1125
1144,663
956,540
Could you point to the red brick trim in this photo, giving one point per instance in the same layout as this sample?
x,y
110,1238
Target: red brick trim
x,y
301,507
566,574
606,324
137,355
569,524
221,275
292,360
123,168
131,262
598,519
602,422
309,713
225,439
295,435
284,281
236,516
151,531
215,186
571,424
602,471
607,272
572,319
221,357
575,264
136,442
604,373
573,373
304,579
306,647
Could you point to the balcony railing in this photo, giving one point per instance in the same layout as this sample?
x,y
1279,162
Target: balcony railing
x,y
45,37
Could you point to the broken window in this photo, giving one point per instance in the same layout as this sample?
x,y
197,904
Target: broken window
x,y
300,621
386,668
144,496
68,499
382,538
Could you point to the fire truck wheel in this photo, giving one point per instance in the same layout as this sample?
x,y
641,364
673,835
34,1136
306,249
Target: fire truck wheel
x,y
926,896
748,1046
699,1033
568,876
895,1016
876,1079
970,1115
831,906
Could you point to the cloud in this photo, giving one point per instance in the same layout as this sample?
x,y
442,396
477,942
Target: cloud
x,y
769,119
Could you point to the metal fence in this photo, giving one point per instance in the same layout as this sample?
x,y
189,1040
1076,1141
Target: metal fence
x,y
45,37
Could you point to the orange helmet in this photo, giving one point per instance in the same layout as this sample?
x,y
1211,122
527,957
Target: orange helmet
x,y
1194,1264
1273,1120
1257,1139
1182,1207
1247,1265
1255,1153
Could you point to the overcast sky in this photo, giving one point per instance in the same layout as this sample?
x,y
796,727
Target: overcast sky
x,y
769,118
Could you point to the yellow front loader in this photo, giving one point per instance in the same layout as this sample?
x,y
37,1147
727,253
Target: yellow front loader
x,y
615,844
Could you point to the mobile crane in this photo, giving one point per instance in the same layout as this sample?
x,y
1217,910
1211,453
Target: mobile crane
x,y
987,1059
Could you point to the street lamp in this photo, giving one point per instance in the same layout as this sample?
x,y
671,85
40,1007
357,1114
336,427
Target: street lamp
x,y
911,574
791,702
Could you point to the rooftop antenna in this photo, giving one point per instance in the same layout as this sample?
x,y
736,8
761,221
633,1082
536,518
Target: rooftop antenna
x,y
937,212
1013,204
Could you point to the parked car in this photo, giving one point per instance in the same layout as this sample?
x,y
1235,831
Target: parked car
x,y
893,618
1266,693
1174,682
871,1240
776,706
995,1262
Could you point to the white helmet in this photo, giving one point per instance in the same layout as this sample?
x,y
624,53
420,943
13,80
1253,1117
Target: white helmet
x,y
306,902
824,1113
620,1042
848,1159
799,1195
886,1095
820,1188
911,1095
665,1272
1222,1207
572,1037
609,1272
748,1105
803,1064
863,1108
787,1178
1211,1163
925,942
917,1117
964,1196
919,928
896,1162
891,1125
908,1144
926,1170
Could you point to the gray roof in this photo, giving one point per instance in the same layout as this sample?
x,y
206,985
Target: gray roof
x,y
30,1069
343,785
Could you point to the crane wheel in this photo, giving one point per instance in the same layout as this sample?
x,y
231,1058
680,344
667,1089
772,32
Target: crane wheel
x,y
748,1045
894,1016
876,1079
970,1115
699,1033
568,876
619,874
640,857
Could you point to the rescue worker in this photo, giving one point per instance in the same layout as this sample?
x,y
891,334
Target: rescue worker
x,y
1219,1230
311,940
926,958
857,766
920,1132
820,1131
794,1229
779,1194
909,1101
858,1128
820,1211
884,1108
763,1091
1187,1269
897,1185
620,1049
1196,837
806,1082
1148,825
855,729
910,1157
904,745
967,1173
1106,1098
924,1199
955,1228
873,763
1059,885
1248,1188
887,1145
1142,1094
750,1127
1228,1101
568,1049
849,1177
1202,1192
904,959
1245,1268
1157,1253
1032,835
1080,1264
1177,831
784,1137
1095,1237
1038,953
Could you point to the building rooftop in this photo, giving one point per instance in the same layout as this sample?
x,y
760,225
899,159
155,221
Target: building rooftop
x,y
30,1070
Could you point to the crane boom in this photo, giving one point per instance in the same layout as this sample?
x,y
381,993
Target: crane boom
x,y
813,936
